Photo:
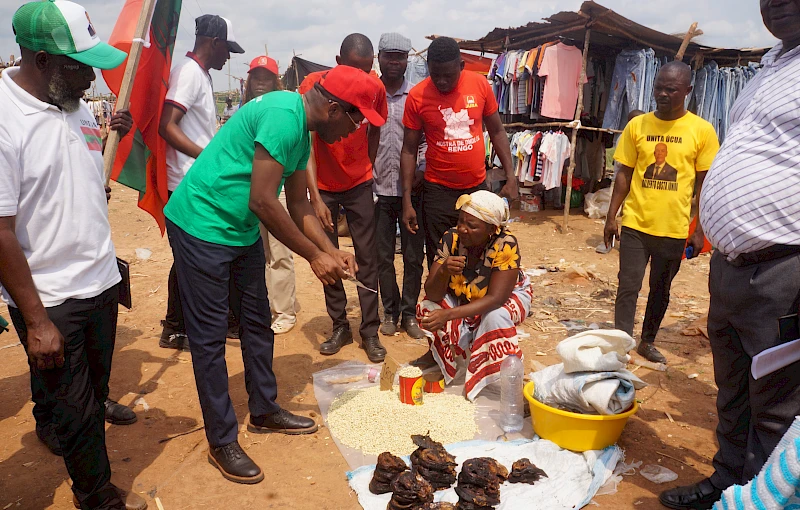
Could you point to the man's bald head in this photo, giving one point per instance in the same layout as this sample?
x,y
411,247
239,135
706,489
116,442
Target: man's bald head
x,y
672,85
356,51
679,70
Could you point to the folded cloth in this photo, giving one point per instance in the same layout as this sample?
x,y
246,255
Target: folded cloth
x,y
777,485
586,392
602,350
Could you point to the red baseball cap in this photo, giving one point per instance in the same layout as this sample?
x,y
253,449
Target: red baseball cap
x,y
267,63
357,88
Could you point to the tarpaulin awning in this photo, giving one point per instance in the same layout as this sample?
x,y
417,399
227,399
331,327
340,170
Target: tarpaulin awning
x,y
297,72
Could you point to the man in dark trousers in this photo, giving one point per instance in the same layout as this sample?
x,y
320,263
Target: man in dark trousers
x,y
58,272
658,203
188,122
340,176
749,211
393,58
450,108
213,220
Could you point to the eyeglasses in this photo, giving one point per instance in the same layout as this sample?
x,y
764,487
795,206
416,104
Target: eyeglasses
x,y
356,124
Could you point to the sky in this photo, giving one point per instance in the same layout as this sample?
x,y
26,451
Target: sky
x,y
314,29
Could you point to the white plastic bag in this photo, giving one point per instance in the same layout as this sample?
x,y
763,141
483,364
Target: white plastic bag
x,y
596,204
658,474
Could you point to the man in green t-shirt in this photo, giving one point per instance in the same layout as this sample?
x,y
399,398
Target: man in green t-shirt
x,y
213,226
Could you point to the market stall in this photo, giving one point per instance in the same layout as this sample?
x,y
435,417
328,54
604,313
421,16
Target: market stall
x,y
602,49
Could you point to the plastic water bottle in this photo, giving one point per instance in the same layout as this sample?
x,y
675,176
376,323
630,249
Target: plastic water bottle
x,y
511,374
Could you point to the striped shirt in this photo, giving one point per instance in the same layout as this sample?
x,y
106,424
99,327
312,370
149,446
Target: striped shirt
x,y
751,196
386,173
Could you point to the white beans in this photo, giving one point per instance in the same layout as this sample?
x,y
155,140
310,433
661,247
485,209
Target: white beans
x,y
410,372
375,421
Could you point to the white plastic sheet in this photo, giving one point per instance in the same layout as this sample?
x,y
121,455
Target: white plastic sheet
x,y
330,383
572,478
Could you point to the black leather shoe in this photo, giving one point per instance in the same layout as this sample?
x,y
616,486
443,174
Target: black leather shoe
x,y
388,326
118,414
47,435
172,338
283,422
234,464
375,351
699,496
131,500
649,352
339,338
412,328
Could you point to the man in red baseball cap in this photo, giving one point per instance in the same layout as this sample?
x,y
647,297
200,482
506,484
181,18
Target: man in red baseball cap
x,y
213,223
340,176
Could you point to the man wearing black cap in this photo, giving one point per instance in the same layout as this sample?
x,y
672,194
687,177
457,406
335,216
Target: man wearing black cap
x,y
188,122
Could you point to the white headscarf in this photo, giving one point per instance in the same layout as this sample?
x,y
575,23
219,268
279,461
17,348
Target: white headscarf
x,y
486,206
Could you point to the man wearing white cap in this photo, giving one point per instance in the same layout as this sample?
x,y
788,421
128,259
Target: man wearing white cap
x,y
188,122
59,271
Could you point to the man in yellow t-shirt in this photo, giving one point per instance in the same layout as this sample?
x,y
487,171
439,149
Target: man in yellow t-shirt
x,y
663,156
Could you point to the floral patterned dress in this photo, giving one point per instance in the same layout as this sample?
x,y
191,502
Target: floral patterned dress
x,y
501,254
483,341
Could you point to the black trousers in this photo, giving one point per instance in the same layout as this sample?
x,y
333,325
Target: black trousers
x,y
174,318
360,212
388,215
73,396
439,213
664,254
746,303
205,271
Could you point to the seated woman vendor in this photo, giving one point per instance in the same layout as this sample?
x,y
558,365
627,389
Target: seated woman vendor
x,y
476,294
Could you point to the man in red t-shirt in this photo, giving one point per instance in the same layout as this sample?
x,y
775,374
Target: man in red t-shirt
x,y
450,108
340,175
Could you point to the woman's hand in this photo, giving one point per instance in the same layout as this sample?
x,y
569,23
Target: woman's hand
x,y
435,320
454,264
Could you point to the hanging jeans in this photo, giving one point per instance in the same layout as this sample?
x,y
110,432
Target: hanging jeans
x,y
629,71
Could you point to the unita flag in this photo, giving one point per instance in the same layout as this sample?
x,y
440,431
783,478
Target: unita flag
x,y
141,157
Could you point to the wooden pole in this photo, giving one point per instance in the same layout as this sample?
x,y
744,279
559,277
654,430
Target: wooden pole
x,y
685,44
578,111
125,89
296,72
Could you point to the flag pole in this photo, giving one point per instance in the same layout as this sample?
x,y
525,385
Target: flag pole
x,y
124,98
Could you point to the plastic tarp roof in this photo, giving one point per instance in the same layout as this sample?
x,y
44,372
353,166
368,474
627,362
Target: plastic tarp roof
x,y
610,31
297,72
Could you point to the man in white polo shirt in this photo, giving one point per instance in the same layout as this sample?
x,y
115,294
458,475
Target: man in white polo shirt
x,y
188,122
59,272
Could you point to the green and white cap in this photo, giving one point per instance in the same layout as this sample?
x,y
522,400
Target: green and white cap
x,y
60,27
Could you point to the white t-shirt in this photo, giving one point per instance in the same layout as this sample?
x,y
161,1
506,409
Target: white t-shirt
x,y
51,179
191,90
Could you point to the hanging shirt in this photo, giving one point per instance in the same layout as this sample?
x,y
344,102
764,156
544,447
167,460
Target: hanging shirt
x,y
665,156
51,180
453,126
562,66
556,149
190,90
345,164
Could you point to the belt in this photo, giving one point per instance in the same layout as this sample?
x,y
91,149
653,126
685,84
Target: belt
x,y
774,252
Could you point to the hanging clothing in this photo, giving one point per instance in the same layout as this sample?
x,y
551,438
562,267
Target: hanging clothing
x,y
561,66
556,149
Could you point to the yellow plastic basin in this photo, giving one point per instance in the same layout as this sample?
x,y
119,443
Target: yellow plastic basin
x,y
573,431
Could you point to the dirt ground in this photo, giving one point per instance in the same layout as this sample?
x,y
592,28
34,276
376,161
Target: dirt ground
x,y
163,455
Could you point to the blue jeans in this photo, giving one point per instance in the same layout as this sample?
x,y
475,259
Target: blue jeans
x,y
626,87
